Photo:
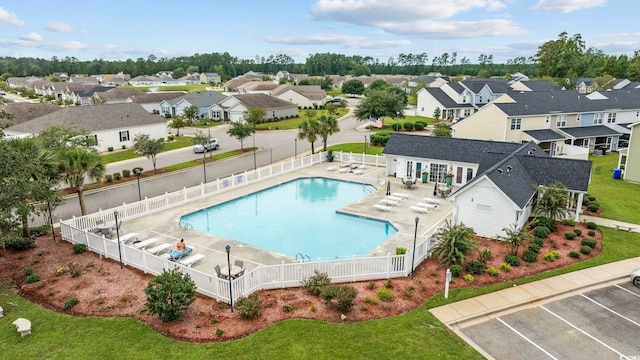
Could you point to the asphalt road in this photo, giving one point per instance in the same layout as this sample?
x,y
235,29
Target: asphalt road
x,y
274,146
599,324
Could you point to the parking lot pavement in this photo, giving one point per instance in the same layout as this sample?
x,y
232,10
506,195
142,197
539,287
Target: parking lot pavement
x,y
598,324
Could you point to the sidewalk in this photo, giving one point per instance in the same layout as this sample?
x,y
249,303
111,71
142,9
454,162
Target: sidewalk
x,y
614,224
482,308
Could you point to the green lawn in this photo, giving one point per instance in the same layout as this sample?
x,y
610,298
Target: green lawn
x,y
177,143
293,123
619,199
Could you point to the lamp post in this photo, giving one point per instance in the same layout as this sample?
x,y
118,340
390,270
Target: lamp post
x,y
365,144
115,216
228,248
413,255
270,154
204,164
137,172
295,155
397,120
53,233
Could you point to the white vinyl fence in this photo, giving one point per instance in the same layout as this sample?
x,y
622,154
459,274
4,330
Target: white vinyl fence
x,y
76,230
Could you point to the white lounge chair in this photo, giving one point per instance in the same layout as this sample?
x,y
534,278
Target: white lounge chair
x,y
126,238
389,202
420,209
382,207
159,248
428,206
192,260
358,171
344,169
394,198
400,195
332,168
144,243
432,200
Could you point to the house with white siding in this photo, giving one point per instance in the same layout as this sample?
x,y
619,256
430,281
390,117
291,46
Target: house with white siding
x,y
233,108
629,157
201,99
496,183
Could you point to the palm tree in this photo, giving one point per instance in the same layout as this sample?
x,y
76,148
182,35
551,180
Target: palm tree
x,y
78,164
552,201
309,130
514,237
328,126
453,242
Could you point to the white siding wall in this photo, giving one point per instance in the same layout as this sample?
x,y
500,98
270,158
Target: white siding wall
x,y
632,166
298,99
426,104
498,210
486,124
111,138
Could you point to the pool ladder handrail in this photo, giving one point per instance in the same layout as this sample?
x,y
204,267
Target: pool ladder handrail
x,y
185,225
302,256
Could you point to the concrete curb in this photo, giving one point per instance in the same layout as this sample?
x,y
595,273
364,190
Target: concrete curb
x,y
503,310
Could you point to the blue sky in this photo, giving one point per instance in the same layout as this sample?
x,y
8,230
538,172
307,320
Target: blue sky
x,y
119,30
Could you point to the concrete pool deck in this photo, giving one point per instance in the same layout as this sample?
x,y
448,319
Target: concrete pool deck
x,y
165,226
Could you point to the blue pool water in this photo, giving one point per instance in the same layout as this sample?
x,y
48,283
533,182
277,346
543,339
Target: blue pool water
x,y
297,217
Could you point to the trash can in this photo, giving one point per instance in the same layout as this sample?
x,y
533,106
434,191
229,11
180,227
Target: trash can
x,y
425,177
617,173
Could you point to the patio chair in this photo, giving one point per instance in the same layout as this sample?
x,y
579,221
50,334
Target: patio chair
x,y
389,202
382,208
144,243
192,260
220,275
239,263
159,248
420,209
177,255
400,195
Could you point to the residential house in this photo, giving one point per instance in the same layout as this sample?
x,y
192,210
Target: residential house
x,y
112,125
21,82
115,95
144,80
233,108
210,78
86,80
563,123
201,99
496,182
190,79
83,95
305,96
629,157
151,101
256,87
24,111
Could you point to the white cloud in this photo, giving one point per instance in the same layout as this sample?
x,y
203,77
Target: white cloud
x,y
371,12
566,6
454,29
32,36
10,18
60,27
348,41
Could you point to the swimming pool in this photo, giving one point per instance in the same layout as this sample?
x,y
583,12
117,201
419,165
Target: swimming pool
x,y
297,217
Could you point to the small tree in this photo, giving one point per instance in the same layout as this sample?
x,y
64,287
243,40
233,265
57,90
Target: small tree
x,y
170,294
552,201
514,237
436,113
191,114
328,126
453,242
353,87
144,145
240,131
441,129
178,122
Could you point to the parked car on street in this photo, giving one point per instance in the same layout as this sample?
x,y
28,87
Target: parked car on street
x,y
635,277
213,144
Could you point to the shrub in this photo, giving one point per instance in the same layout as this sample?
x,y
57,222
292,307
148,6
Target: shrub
x,y
75,271
401,251
126,173
170,138
530,256
36,231
79,248
371,285
70,303
585,249
20,243
117,176
385,295
570,235
577,231
249,308
108,178
344,296
123,147
486,255
408,126
380,138
314,284
110,148
538,241
161,139
387,283
469,278
593,207
476,267
371,299
170,294
28,271
574,254
544,221
591,225
552,256
456,270
591,232
590,242
512,260
570,222
418,126
535,248
422,122
505,267
541,231
493,271
396,127
32,278
287,308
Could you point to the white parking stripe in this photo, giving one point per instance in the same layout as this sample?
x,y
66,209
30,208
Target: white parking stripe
x,y
582,331
627,290
527,339
606,308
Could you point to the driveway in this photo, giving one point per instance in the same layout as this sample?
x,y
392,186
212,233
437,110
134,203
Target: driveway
x,y
598,324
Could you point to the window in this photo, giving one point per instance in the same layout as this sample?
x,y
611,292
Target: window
x,y
611,118
578,118
469,174
480,98
515,123
467,112
548,118
562,120
124,136
597,118
464,98
483,208
215,114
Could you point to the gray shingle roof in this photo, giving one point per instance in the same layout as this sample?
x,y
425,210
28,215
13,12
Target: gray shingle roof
x,y
92,118
25,111
497,86
590,131
545,135
445,99
262,101
200,98
541,85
